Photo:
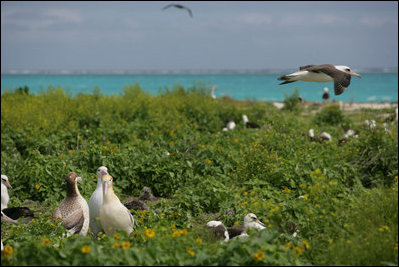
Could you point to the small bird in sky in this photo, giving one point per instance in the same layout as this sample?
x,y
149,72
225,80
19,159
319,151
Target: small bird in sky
x,y
179,6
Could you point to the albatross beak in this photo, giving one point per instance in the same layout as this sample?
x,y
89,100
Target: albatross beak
x,y
354,74
260,222
7,183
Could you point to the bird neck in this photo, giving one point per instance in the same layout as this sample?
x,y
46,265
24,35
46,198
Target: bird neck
x,y
72,190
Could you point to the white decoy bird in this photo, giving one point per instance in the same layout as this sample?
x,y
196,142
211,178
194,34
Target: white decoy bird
x,y
341,75
250,222
95,202
113,214
231,125
324,136
213,92
73,210
218,229
4,191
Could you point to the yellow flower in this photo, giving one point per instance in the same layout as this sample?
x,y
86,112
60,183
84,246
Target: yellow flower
x,y
208,161
143,213
286,190
183,232
151,133
116,236
198,240
149,233
37,186
105,147
305,244
258,256
235,140
192,253
52,224
176,234
86,249
133,181
7,252
171,132
116,245
46,241
287,245
126,245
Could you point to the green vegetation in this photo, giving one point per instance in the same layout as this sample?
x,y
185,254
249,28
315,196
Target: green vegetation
x,y
344,199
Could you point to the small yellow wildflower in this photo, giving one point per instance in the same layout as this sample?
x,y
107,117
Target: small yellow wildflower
x,y
133,181
192,253
116,245
141,220
126,245
183,231
149,233
287,245
116,236
105,147
86,249
235,140
199,240
151,133
176,234
258,256
46,241
7,252
171,132
305,244
52,224
143,213
208,161
37,186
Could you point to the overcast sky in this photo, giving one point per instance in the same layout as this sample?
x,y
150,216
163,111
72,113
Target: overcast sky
x,y
221,35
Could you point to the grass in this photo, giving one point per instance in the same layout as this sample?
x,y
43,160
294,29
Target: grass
x,y
343,198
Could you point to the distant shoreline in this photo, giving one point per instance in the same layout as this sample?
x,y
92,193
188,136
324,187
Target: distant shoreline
x,y
392,70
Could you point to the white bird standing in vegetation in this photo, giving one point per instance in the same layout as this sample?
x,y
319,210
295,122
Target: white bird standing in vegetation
x,y
4,191
73,210
95,202
113,214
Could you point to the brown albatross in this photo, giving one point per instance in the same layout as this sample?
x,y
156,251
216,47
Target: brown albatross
x,y
341,75
73,210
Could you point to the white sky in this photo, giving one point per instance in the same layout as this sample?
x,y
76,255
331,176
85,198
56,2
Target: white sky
x,y
221,35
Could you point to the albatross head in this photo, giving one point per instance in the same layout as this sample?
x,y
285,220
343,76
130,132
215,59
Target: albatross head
x,y
4,181
251,221
347,70
107,183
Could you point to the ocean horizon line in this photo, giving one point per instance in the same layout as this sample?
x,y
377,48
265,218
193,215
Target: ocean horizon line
x,y
177,71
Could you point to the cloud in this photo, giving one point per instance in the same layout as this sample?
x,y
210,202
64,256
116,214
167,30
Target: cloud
x,y
25,19
254,19
377,21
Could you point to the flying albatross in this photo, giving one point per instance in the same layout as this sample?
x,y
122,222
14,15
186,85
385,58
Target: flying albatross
x,y
341,75
179,6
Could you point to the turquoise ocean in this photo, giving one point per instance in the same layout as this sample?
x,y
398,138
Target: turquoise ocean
x,y
371,87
